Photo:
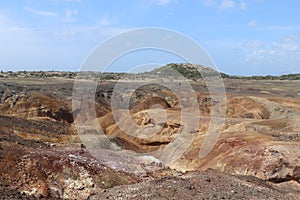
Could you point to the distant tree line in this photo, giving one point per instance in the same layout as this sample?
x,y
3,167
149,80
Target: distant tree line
x,y
268,77
190,71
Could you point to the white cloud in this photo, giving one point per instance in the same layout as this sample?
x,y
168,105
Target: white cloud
x,y
107,20
111,31
243,5
38,12
19,44
65,33
252,24
37,47
281,28
89,31
69,15
285,51
226,4
253,44
258,1
256,56
291,39
162,2
287,44
262,54
14,34
209,2
65,0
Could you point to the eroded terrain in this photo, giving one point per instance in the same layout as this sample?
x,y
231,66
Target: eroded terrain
x,y
257,155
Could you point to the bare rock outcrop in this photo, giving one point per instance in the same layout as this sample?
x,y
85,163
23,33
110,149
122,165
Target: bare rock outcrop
x,y
206,185
42,154
36,105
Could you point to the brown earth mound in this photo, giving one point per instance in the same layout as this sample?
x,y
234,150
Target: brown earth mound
x,y
256,140
36,105
42,155
206,185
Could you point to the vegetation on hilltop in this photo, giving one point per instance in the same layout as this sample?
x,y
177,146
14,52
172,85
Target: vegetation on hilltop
x,y
190,71
175,70
269,77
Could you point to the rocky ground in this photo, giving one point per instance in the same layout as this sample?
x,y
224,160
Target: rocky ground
x,y
205,185
43,155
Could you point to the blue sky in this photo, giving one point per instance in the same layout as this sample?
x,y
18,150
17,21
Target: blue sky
x,y
244,37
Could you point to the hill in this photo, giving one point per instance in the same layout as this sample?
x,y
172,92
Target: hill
x,y
188,70
191,71
171,70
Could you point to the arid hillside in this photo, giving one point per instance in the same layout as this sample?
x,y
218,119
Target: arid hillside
x,y
149,150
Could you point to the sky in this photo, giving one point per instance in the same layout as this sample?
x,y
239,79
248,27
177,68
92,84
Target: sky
x,y
243,37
